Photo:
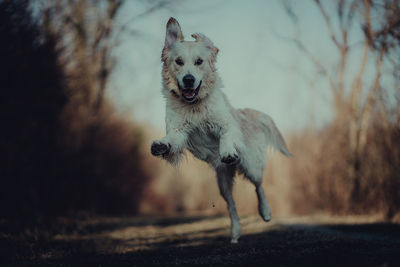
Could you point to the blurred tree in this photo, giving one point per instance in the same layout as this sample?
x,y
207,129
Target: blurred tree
x,y
356,97
88,35
85,29
65,149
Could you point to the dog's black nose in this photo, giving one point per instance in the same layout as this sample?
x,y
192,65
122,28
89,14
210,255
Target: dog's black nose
x,y
188,80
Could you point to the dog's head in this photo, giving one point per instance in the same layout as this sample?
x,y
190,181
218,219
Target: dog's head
x,y
188,71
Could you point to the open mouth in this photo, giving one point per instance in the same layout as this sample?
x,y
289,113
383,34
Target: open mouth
x,y
189,94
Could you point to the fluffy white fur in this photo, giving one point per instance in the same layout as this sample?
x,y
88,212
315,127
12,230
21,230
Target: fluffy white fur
x,y
203,122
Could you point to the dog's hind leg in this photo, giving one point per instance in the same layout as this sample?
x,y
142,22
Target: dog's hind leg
x,y
225,175
263,206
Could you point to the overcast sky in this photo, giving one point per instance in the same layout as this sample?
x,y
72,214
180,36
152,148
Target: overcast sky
x,y
259,69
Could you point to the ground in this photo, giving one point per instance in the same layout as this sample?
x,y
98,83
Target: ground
x,y
200,240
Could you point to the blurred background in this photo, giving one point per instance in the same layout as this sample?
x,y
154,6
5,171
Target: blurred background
x,y
81,103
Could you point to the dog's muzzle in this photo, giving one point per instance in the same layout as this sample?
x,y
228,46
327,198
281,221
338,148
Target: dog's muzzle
x,y
189,95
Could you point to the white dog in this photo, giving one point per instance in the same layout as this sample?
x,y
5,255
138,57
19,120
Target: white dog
x,y
200,118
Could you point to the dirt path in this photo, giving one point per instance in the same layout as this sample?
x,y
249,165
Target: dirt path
x,y
199,240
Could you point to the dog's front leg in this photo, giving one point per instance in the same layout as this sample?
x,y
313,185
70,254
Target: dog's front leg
x,y
171,146
230,143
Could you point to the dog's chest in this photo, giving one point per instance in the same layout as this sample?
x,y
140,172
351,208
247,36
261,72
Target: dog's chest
x,y
203,142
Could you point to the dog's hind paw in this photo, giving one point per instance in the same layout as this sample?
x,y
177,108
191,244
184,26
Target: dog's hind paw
x,y
266,217
265,212
230,159
160,149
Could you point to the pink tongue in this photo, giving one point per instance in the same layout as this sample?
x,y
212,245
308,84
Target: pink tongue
x,y
189,93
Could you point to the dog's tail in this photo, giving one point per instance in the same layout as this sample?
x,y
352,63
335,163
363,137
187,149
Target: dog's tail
x,y
273,136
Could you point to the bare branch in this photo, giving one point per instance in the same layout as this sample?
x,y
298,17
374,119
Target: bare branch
x,y
152,9
328,24
289,10
343,47
356,87
321,68
367,109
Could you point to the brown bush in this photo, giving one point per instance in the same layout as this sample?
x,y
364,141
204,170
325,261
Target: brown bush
x,y
322,178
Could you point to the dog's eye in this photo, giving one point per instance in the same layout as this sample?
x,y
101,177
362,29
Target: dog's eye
x,y
179,61
198,62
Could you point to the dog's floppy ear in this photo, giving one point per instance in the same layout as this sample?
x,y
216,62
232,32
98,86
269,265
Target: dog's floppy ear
x,y
173,34
202,38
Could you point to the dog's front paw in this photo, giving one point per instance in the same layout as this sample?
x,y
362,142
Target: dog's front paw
x,y
160,149
230,159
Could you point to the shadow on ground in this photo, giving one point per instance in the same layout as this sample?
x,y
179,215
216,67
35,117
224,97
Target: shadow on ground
x,y
198,241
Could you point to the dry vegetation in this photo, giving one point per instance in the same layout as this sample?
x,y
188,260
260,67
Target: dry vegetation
x,y
352,164
68,151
